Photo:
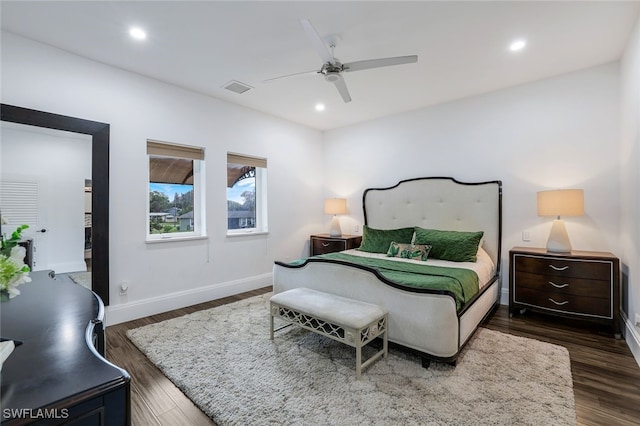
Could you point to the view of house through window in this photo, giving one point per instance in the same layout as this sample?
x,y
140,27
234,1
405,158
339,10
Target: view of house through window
x,y
170,204
174,193
246,194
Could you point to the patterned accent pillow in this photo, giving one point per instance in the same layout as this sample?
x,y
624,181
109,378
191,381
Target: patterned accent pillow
x,y
409,251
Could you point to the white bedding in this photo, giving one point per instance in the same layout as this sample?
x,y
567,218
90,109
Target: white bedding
x,y
484,266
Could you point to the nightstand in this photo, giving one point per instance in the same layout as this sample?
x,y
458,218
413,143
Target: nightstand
x,y
581,284
324,243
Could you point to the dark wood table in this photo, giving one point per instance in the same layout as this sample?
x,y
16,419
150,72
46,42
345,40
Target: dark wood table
x,y
58,374
583,285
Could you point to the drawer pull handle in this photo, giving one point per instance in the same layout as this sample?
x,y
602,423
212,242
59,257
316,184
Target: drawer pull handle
x,y
558,285
555,268
558,303
325,244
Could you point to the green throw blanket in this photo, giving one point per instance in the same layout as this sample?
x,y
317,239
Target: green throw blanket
x,y
461,283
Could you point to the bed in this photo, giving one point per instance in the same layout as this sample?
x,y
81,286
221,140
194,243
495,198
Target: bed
x,y
434,322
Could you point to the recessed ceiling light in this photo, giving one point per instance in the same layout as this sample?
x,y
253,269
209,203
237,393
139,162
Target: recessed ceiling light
x,y
320,107
517,45
137,33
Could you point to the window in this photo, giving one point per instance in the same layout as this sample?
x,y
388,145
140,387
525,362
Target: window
x,y
176,191
246,194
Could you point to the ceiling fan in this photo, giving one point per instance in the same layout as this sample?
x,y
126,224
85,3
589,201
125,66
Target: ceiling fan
x,y
332,68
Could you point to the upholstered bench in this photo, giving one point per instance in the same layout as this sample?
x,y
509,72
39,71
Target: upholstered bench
x,y
348,321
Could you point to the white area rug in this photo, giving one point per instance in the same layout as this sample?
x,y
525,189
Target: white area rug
x,y
223,360
81,278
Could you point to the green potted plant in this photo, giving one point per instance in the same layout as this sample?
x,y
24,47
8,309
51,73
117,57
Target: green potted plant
x,y
13,271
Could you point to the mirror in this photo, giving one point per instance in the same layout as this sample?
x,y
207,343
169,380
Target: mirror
x,y
43,184
99,137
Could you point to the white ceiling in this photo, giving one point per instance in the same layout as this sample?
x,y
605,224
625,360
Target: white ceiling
x,y
462,47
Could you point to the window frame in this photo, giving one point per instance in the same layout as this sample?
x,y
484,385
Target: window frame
x,y
159,149
261,226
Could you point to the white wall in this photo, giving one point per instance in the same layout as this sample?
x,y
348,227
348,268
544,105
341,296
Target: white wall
x,y
169,275
556,133
630,186
59,162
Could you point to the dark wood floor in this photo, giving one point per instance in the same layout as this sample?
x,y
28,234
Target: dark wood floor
x,y
606,377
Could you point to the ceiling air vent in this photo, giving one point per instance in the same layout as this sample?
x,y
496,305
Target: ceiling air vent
x,y
237,87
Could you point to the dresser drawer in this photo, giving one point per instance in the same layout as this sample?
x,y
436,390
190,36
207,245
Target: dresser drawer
x,y
323,246
589,269
324,243
565,303
564,285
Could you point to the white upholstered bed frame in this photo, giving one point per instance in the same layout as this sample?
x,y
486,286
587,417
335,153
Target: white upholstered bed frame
x,y
421,320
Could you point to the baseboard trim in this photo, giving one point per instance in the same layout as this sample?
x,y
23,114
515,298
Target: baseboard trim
x,y
631,336
504,296
117,314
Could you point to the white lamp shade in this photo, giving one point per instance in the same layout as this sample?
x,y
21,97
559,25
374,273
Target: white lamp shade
x,y
335,206
561,202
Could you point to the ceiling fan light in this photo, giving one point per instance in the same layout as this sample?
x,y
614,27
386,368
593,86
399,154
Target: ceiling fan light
x,y
332,77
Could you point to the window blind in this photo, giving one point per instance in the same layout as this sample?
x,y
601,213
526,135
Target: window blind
x,y
19,201
167,149
246,160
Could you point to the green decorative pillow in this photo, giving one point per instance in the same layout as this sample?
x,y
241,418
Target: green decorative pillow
x,y
409,251
378,240
456,246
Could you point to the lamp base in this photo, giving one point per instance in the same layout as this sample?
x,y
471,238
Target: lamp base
x,y
335,230
558,241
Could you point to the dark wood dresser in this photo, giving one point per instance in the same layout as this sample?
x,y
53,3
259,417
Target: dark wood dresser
x,y
58,375
580,284
324,243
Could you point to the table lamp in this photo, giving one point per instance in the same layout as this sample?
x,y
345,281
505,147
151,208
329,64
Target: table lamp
x,y
335,206
560,202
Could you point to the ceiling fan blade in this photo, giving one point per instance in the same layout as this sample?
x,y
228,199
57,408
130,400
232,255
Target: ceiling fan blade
x,y
382,62
342,88
290,75
318,44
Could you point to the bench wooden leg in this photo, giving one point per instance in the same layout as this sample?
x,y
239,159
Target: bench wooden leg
x,y
385,343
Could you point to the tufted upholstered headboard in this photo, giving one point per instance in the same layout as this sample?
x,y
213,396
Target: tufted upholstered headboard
x,y
439,203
